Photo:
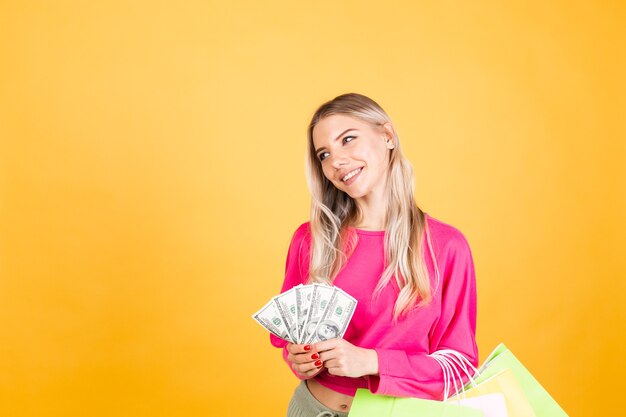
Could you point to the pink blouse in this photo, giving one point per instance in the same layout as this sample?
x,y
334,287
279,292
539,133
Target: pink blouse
x,y
448,322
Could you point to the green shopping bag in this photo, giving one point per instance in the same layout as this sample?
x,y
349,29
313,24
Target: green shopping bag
x,y
502,358
366,404
504,383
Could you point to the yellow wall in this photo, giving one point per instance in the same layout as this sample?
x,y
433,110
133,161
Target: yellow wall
x,y
152,173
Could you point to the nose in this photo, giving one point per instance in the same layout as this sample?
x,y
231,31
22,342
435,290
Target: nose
x,y
339,160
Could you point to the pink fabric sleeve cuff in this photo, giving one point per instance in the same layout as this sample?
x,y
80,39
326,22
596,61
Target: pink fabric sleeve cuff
x,y
406,375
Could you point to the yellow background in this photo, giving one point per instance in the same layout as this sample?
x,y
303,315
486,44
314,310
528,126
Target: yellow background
x,y
152,174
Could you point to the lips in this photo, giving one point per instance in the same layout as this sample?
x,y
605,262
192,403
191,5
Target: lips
x,y
354,177
354,172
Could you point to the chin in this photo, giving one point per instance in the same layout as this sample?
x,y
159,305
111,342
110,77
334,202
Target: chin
x,y
355,194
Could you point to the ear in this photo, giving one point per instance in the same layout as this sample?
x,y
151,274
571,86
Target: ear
x,y
389,134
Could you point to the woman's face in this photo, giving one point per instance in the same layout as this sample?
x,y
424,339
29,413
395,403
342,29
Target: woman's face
x,y
344,144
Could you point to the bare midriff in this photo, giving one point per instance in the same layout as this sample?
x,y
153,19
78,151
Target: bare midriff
x,y
332,399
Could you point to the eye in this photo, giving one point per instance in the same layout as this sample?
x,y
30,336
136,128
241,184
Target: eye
x,y
321,156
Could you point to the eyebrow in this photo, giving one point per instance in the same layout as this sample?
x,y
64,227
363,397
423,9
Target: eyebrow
x,y
340,135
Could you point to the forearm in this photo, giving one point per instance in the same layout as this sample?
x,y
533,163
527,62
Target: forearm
x,y
410,374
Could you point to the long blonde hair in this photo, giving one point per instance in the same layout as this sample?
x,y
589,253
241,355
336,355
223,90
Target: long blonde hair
x,y
332,211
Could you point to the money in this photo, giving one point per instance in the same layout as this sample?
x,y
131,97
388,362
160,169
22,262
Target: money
x,y
322,294
335,319
304,295
271,319
308,313
286,306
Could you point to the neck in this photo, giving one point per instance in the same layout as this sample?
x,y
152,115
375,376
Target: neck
x,y
373,207
373,214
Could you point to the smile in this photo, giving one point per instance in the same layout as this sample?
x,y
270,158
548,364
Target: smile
x,y
351,174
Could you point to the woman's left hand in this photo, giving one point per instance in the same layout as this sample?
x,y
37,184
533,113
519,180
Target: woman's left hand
x,y
343,358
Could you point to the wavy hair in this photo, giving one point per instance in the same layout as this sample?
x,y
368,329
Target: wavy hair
x,y
333,211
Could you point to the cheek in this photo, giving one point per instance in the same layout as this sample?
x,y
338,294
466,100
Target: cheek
x,y
327,174
379,158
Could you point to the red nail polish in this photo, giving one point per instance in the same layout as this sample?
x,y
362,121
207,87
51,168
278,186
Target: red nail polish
x,y
307,347
318,363
315,356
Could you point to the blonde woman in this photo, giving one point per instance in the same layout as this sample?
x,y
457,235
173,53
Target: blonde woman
x,y
412,275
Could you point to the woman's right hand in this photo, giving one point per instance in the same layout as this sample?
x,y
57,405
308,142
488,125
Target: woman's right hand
x,y
303,360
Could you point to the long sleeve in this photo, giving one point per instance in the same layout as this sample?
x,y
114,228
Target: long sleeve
x,y
415,374
294,274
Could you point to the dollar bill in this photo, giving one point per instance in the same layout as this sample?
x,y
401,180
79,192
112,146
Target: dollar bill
x,y
304,295
336,317
322,294
286,306
308,313
271,319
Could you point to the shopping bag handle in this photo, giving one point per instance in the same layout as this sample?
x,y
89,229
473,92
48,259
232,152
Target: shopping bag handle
x,y
462,361
447,375
447,359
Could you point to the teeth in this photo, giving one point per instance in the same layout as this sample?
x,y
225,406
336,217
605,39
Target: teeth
x,y
351,174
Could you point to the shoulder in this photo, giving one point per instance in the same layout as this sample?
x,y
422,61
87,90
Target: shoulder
x,y
454,256
297,258
301,235
446,239
302,231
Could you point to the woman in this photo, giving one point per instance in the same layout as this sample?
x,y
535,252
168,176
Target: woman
x,y
412,275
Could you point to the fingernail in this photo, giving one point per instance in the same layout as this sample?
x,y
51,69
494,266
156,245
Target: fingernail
x,y
307,347
318,363
315,356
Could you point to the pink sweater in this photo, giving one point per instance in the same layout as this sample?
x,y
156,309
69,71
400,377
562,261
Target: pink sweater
x,y
449,322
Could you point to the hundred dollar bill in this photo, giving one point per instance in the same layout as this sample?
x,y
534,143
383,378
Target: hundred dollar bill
x,y
336,317
322,294
269,318
286,306
304,294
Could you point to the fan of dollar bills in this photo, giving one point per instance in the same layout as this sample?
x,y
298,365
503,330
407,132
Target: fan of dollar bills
x,y
308,313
